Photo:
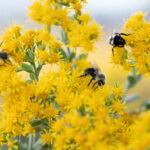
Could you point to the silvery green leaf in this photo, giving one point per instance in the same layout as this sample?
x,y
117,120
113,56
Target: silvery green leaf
x,y
132,97
132,80
28,68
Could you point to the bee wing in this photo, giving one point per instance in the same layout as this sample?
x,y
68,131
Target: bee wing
x,y
94,65
115,31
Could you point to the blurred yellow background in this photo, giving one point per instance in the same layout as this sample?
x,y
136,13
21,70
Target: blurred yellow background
x,y
110,14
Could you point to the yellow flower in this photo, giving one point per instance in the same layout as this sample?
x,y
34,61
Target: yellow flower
x,y
49,111
43,36
54,44
36,11
11,144
85,18
77,7
16,29
118,106
28,129
46,137
28,38
19,57
43,55
58,125
54,57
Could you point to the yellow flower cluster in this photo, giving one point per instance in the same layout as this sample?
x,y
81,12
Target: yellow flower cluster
x,y
80,29
55,12
136,52
39,104
58,110
17,43
89,118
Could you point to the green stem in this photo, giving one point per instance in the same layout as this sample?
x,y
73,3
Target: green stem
x,y
68,49
35,69
30,142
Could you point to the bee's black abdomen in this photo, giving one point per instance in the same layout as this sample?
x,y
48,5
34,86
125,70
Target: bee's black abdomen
x,y
3,55
119,41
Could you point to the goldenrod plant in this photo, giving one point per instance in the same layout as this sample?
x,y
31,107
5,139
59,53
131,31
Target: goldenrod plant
x,y
57,109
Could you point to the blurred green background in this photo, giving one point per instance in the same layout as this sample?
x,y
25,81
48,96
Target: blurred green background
x,y
110,14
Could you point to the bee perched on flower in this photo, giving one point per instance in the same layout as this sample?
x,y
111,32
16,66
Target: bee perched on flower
x,y
132,46
3,55
96,74
117,40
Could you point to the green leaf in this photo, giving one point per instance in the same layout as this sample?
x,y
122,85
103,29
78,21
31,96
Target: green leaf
x,y
32,76
72,56
82,56
48,28
27,58
76,18
64,37
132,98
31,54
37,145
19,69
28,68
22,146
42,47
38,69
145,106
36,122
132,80
82,110
63,3
30,81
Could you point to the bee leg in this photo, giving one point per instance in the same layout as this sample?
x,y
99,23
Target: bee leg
x,y
113,51
83,75
90,82
94,84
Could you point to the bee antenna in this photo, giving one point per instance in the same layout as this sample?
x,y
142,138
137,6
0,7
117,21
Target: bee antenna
x,y
124,34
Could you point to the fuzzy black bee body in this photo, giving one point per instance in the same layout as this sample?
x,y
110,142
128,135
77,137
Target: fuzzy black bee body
x,y
3,55
89,71
117,40
96,75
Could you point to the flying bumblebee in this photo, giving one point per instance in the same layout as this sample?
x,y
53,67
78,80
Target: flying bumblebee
x,y
117,40
3,55
97,75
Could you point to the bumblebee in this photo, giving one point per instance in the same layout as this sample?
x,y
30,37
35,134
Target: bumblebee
x,y
3,55
97,75
117,40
